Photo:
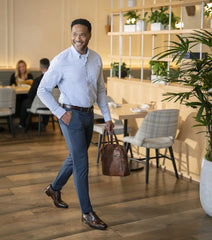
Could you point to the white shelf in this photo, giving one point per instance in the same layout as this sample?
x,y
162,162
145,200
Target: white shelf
x,y
138,58
141,57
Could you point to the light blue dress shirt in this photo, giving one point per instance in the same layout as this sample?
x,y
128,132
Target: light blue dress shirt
x,y
80,80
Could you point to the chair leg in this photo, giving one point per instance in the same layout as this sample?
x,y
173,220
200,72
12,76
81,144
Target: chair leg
x,y
157,158
173,161
131,153
53,125
147,165
39,124
11,126
128,147
98,149
28,120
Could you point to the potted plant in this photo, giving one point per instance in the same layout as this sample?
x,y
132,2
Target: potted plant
x,y
196,74
141,23
125,71
160,19
208,11
159,71
132,17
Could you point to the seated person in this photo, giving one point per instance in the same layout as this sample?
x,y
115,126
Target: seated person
x,y
44,65
21,74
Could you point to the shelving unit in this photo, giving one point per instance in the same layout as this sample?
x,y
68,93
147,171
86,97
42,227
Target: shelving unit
x,y
120,12
180,31
156,5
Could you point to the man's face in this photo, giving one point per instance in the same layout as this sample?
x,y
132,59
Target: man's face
x,y
80,38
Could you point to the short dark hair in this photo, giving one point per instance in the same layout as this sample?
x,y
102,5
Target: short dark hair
x,y
81,21
44,62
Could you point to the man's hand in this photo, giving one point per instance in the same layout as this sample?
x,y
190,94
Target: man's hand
x,y
66,118
109,126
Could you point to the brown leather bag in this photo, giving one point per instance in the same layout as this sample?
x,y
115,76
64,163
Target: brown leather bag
x,y
114,157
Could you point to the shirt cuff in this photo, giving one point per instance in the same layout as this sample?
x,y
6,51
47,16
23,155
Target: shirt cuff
x,y
59,112
107,117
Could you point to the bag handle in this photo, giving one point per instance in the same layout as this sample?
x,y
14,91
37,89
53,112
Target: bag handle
x,y
111,138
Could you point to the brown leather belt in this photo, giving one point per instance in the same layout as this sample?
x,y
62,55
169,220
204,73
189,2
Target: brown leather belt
x,y
88,110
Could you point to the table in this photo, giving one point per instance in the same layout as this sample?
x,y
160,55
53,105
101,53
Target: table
x,y
22,89
123,113
19,89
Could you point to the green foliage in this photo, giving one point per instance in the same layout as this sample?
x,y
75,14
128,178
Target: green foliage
x,y
125,71
132,17
159,68
197,75
208,10
162,16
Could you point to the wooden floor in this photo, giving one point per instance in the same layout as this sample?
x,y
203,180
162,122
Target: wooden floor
x,y
166,209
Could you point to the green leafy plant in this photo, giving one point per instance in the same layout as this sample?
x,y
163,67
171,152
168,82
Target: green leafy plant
x,y
125,71
162,16
208,9
159,68
196,74
132,17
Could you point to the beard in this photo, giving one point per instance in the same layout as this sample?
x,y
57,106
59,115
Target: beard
x,y
81,47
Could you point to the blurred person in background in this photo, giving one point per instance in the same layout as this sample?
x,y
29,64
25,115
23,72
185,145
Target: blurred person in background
x,y
21,75
44,65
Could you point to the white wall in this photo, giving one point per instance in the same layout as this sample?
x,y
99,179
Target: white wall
x,y
32,29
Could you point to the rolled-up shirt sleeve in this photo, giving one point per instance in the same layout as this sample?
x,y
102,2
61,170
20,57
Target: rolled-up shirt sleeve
x,y
49,81
101,97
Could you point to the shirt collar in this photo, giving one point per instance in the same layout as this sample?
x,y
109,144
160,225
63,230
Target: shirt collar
x,y
78,55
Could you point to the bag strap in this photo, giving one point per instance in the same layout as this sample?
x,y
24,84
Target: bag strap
x,y
116,139
111,139
108,140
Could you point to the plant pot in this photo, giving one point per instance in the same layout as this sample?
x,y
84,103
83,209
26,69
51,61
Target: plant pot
x,y
206,186
140,25
129,28
157,27
157,79
123,74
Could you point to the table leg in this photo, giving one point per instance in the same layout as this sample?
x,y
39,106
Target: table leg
x,y
125,128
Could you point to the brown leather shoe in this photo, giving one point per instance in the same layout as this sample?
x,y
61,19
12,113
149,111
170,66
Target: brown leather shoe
x,y
56,197
93,221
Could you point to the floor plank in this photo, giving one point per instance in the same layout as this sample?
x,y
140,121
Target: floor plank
x,y
164,209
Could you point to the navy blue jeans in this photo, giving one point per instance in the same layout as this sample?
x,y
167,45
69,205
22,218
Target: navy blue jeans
x,y
78,136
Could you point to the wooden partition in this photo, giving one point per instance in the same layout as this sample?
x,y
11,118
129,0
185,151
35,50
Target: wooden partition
x,y
189,147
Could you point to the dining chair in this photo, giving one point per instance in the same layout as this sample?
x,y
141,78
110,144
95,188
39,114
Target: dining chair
x,y
157,131
7,106
40,109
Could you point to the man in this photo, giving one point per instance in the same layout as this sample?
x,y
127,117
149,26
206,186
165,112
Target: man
x,y
44,65
78,73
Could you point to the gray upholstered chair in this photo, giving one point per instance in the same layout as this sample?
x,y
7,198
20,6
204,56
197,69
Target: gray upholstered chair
x,y
157,131
38,108
7,106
